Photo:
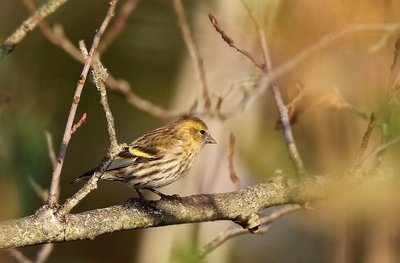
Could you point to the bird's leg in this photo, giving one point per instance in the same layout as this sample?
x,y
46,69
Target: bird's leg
x,y
140,194
163,196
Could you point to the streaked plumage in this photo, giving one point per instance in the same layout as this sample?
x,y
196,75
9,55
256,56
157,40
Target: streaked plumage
x,y
159,157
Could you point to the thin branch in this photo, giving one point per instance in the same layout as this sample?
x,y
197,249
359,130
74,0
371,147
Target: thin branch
x,y
382,112
230,42
283,113
76,126
44,253
265,225
50,148
282,109
29,24
293,111
297,98
349,107
246,87
231,151
193,50
89,186
118,26
364,142
122,88
379,150
323,42
42,193
395,68
54,188
100,76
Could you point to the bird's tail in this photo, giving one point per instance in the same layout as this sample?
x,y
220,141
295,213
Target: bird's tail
x,y
84,177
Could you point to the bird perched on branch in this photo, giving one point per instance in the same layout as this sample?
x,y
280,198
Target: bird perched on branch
x,y
159,157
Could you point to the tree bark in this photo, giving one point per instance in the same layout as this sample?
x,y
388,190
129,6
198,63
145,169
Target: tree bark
x,y
239,206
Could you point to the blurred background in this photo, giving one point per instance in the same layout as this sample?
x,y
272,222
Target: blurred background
x,y
38,80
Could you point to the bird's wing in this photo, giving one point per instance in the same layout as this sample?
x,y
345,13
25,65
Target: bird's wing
x,y
132,155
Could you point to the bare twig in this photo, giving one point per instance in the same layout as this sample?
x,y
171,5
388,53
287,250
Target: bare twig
x,y
230,42
89,186
364,142
193,50
119,24
79,123
30,24
297,98
293,110
100,78
231,151
382,112
265,224
283,113
54,188
284,117
282,109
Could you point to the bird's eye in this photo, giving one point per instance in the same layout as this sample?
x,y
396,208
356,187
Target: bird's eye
x,y
202,132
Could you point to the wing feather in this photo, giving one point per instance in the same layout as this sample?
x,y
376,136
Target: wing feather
x,y
132,155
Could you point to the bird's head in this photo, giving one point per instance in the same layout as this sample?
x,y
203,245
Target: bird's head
x,y
195,130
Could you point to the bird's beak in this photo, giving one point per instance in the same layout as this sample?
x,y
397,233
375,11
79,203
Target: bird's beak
x,y
210,139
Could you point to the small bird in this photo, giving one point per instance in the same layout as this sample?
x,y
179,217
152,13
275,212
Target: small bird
x,y
159,157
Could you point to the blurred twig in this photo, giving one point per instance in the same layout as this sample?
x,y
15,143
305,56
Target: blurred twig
x,y
19,256
364,142
383,114
30,24
379,150
265,225
231,151
193,50
50,149
44,253
394,71
349,107
42,193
